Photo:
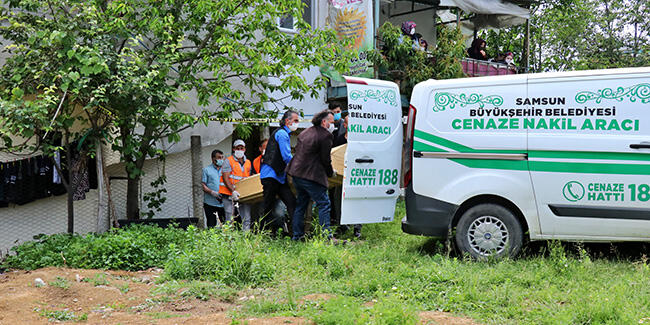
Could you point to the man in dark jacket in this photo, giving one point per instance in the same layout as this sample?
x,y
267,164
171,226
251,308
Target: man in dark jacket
x,y
309,169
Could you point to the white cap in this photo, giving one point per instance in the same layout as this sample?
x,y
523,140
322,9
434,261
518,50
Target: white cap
x,y
239,142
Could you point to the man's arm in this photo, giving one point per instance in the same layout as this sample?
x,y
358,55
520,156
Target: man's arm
x,y
226,181
285,146
326,155
204,180
225,175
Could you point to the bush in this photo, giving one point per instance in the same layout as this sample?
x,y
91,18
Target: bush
x,y
136,247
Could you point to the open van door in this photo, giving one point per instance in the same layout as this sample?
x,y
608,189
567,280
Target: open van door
x,y
373,159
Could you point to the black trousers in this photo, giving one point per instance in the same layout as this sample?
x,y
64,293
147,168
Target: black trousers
x,y
211,218
271,190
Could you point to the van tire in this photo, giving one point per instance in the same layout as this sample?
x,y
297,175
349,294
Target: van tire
x,y
488,228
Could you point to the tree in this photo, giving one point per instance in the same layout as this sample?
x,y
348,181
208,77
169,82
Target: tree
x,y
398,61
581,34
128,62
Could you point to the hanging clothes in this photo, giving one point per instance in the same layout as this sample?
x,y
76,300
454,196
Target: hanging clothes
x,y
43,177
24,182
3,199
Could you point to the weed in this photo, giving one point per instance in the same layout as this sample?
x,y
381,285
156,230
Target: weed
x,y
124,288
61,315
98,280
60,282
164,315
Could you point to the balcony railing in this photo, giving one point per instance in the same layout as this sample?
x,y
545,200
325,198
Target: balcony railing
x,y
479,68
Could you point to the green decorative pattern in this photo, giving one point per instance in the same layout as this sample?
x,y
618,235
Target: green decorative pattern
x,y
640,92
448,100
388,96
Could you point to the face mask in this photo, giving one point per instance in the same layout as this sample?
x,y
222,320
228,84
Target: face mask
x,y
337,116
508,61
239,154
218,162
413,31
331,128
293,127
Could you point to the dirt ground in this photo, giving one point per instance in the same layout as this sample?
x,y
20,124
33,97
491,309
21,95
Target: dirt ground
x,y
121,297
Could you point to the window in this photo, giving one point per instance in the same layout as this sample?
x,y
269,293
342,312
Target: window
x,y
287,23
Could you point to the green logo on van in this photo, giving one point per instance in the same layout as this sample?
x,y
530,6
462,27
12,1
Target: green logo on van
x,y
448,100
573,191
640,91
387,96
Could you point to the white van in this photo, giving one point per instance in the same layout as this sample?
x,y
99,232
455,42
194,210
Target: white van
x,y
495,160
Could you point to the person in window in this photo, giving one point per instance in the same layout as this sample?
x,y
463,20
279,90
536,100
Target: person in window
x,y
212,199
408,33
477,50
509,59
422,43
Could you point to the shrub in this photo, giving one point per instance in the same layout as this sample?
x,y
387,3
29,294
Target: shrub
x,y
132,248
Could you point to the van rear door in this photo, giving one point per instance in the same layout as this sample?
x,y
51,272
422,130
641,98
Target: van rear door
x,y
373,158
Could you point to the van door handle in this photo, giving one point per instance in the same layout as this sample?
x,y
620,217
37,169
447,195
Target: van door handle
x,y
391,191
364,160
642,145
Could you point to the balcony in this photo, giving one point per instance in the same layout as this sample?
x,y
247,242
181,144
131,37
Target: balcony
x,y
479,68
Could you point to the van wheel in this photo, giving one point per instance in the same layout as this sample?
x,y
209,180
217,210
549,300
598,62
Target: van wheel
x,y
489,230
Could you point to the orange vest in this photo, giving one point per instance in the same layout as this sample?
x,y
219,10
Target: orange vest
x,y
257,164
236,175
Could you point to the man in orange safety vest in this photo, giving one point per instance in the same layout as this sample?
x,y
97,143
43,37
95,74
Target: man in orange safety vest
x,y
236,168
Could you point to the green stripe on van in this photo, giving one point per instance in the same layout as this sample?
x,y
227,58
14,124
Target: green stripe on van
x,y
543,166
589,168
556,167
457,146
420,146
538,153
589,155
492,163
442,141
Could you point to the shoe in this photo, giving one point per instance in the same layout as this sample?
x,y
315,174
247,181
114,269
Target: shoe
x,y
357,234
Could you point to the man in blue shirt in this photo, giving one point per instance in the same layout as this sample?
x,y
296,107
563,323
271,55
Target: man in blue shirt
x,y
211,180
273,175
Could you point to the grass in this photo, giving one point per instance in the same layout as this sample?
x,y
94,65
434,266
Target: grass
x,y
552,283
389,277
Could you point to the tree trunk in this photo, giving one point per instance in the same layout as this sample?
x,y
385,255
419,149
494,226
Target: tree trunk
x,y
197,188
133,198
71,185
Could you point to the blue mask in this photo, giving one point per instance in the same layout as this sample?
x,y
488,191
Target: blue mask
x,y
218,162
337,116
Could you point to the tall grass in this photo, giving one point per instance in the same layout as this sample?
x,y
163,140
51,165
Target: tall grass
x,y
385,279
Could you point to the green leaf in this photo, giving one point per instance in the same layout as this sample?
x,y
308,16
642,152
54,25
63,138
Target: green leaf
x,y
74,75
17,92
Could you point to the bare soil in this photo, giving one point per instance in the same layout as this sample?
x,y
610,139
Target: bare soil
x,y
121,297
